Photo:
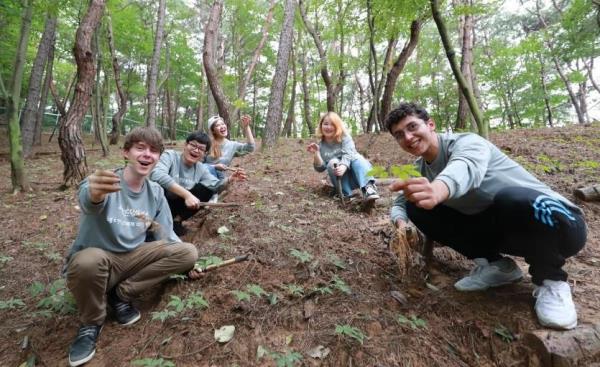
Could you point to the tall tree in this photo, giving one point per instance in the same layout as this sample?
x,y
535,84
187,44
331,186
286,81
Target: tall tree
x,y
28,119
17,168
154,64
460,79
117,117
275,110
69,137
39,116
288,127
467,39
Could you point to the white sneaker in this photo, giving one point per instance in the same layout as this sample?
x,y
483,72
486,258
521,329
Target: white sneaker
x,y
370,192
214,198
554,305
486,275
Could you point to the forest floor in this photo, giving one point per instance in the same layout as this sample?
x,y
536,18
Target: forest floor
x,y
315,267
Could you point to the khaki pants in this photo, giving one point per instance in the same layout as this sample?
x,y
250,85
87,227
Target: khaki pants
x,y
92,272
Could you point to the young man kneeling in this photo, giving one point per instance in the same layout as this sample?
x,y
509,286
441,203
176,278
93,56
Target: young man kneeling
x,y
476,200
125,244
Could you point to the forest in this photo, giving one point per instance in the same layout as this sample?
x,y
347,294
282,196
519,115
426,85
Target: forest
x,y
76,76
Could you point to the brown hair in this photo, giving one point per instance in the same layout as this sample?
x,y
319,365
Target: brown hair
x,y
337,123
215,150
148,135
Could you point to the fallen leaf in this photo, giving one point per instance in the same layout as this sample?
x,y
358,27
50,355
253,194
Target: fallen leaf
x,y
224,333
223,230
43,217
319,352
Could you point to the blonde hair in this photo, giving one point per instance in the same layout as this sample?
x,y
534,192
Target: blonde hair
x,y
215,149
338,125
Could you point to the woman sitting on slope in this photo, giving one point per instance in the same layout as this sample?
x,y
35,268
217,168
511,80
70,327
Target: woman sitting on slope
x,y
337,154
223,150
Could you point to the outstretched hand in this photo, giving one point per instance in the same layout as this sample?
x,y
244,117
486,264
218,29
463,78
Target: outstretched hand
x,y
238,175
421,192
194,274
103,182
312,148
245,121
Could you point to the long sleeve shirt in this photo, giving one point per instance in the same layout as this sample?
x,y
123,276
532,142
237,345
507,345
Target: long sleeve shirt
x,y
124,220
345,152
229,150
474,170
171,169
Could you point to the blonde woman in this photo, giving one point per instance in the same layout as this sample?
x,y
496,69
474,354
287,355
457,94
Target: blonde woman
x,y
223,150
337,154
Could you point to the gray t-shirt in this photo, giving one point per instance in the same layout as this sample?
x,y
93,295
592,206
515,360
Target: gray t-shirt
x,y
122,222
229,150
344,151
474,171
171,169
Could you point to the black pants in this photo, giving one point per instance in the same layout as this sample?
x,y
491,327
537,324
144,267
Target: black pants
x,y
177,204
520,222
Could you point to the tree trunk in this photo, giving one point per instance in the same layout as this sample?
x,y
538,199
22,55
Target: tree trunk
x,y
460,79
154,64
39,116
274,111
589,69
306,96
291,115
463,118
394,73
99,125
69,138
117,117
17,167
545,90
28,120
208,58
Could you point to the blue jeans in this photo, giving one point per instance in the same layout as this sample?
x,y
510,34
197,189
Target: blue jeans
x,y
354,177
215,172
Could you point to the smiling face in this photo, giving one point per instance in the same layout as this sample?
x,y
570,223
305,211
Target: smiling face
x,y
416,136
328,129
141,158
219,129
193,152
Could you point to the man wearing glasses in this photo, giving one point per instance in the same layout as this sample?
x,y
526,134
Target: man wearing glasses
x,y
187,181
476,200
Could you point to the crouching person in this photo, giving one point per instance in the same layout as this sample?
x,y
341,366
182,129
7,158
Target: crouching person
x,y
125,244
476,200
187,181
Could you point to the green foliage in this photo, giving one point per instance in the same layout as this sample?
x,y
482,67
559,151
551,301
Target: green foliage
x,y
504,333
289,359
340,285
57,298
295,290
205,261
586,165
177,305
256,290
302,256
402,172
153,362
11,304
351,332
337,261
413,321
241,295
323,290
4,259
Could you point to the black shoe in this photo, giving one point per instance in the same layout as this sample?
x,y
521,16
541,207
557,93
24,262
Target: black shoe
x,y
125,313
179,229
83,347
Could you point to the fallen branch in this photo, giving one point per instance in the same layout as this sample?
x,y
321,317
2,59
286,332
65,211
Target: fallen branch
x,y
590,193
220,205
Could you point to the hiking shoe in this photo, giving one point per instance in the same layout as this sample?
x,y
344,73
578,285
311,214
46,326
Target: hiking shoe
x,y
125,313
554,305
83,347
487,275
370,192
179,229
214,198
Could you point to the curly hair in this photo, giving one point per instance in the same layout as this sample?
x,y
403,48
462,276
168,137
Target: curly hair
x,y
405,109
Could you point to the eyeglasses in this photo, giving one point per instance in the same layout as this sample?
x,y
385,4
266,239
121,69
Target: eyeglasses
x,y
412,127
197,147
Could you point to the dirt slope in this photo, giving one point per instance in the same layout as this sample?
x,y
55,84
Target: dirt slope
x,y
321,266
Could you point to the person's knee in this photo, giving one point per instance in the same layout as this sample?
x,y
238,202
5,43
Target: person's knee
x,y
188,254
88,263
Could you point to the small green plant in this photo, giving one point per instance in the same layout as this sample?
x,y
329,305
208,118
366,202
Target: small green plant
x,y
403,172
53,256
337,261
177,305
11,304
256,290
352,332
289,359
586,165
340,285
295,290
413,321
504,333
205,261
302,256
196,301
163,315
5,259
323,290
153,362
58,298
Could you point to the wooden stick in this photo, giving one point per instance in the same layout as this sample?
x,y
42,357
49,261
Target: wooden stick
x,y
234,260
338,187
220,205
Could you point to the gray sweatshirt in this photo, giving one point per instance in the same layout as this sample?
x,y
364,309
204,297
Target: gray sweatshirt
x,y
230,149
171,169
474,171
344,151
121,222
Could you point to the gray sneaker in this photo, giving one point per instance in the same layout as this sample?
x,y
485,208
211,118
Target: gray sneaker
x,y
488,275
370,192
83,347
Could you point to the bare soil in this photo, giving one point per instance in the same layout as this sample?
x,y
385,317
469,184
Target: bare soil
x,y
348,279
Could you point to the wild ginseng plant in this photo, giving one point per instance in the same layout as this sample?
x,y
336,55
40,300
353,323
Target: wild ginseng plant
x,y
402,172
